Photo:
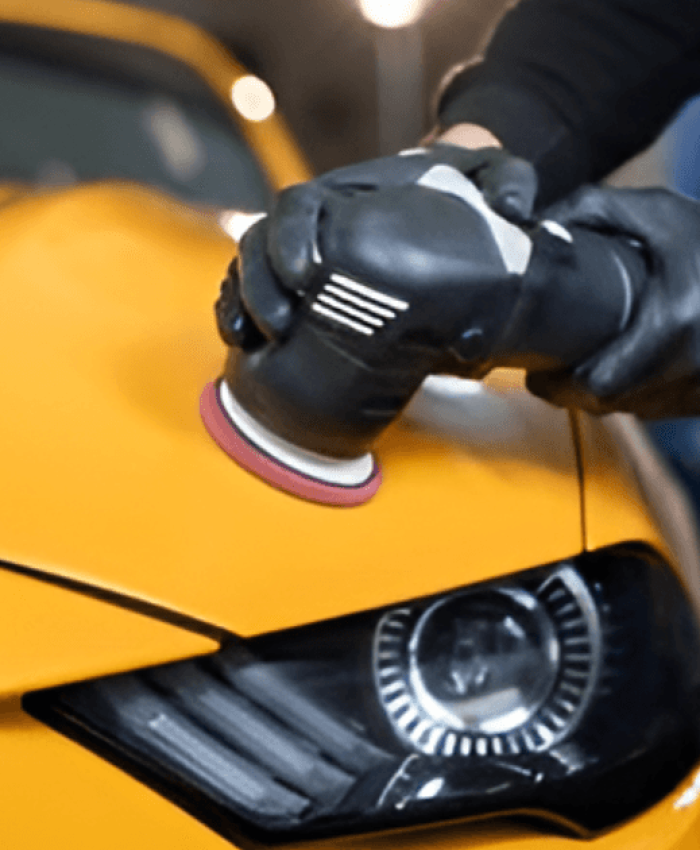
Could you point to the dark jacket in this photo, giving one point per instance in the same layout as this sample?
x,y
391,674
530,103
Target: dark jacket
x,y
579,86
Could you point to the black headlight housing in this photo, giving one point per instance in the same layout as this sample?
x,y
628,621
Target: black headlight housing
x,y
569,692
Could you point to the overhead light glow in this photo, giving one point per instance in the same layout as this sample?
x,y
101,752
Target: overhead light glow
x,y
392,14
690,795
236,222
253,98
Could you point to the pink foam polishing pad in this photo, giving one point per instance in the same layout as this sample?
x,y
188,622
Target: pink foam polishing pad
x,y
313,477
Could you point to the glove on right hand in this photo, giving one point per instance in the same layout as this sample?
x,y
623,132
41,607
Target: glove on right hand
x,y
652,369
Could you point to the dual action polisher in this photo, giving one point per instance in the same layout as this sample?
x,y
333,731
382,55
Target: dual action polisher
x,y
393,278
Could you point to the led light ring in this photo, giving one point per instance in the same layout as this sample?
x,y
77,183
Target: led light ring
x,y
580,638
564,601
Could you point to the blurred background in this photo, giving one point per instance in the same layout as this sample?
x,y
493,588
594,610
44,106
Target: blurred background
x,y
353,78
333,63
357,78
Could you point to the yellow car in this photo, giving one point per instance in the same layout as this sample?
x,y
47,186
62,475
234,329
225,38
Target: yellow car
x,y
499,651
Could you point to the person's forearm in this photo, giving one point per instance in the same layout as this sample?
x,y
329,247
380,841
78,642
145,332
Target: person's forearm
x,y
577,86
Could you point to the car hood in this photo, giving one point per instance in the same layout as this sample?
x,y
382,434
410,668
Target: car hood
x,y
110,479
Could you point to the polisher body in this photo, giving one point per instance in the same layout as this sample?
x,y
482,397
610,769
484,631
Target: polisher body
x,y
377,315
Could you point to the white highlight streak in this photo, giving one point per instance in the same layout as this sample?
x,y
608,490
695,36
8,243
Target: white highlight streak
x,y
557,230
690,795
236,222
629,292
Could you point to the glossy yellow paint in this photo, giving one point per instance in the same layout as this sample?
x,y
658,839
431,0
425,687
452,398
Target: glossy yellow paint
x,y
614,505
181,40
50,635
87,803
62,796
630,494
109,325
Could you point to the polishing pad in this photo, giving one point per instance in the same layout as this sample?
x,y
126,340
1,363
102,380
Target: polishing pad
x,y
329,481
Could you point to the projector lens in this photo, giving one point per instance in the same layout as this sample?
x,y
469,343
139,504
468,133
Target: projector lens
x,y
490,671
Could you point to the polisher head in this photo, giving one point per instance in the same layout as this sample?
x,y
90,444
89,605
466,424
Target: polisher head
x,y
328,481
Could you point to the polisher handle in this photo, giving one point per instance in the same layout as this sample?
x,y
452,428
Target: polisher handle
x,y
572,309
578,289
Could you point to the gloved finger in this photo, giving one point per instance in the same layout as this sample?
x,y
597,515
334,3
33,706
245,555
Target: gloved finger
x,y
267,302
235,325
634,358
508,183
632,212
562,390
625,367
292,233
409,166
509,186
659,401
612,380
587,205
677,399
656,402
400,170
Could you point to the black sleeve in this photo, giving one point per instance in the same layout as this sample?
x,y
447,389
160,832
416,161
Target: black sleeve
x,y
579,86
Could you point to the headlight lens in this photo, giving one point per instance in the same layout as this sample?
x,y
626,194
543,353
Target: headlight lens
x,y
569,692
493,671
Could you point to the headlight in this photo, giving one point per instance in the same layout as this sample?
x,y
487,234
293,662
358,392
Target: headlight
x,y
500,670
568,692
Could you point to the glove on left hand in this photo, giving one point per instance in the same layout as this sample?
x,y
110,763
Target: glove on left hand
x,y
277,256
653,368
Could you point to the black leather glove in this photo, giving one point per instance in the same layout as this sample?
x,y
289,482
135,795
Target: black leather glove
x,y
400,281
652,368
508,184
277,256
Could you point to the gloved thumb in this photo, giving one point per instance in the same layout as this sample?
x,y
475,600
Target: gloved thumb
x,y
634,213
509,186
628,361
562,390
508,183
608,380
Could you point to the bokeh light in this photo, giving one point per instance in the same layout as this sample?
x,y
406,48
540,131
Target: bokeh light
x,y
253,98
392,14
236,222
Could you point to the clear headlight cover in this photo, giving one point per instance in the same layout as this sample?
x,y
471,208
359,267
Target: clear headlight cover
x,y
570,692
